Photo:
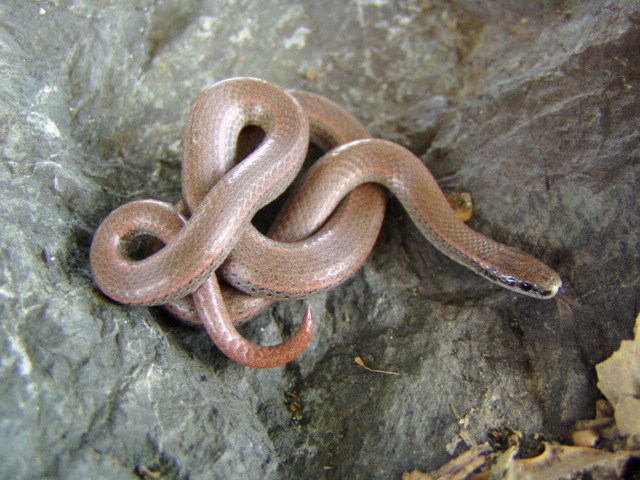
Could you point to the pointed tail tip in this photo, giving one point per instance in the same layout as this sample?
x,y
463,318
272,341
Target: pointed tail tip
x,y
308,321
279,355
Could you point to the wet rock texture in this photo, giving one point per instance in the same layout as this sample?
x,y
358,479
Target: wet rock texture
x,y
531,108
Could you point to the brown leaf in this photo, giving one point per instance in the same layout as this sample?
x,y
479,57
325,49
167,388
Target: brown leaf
x,y
559,462
460,468
461,204
619,381
360,362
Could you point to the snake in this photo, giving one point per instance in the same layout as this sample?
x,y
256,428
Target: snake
x,y
322,236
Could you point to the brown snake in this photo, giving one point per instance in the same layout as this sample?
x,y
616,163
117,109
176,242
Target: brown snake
x,y
322,236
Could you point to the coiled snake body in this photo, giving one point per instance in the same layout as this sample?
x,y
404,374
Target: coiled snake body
x,y
322,236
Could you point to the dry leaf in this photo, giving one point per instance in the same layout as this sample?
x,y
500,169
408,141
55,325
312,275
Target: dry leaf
x,y
311,74
148,474
360,362
462,204
426,5
560,462
416,475
460,468
585,438
619,381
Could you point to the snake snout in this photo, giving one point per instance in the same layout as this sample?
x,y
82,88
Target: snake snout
x,y
551,285
537,280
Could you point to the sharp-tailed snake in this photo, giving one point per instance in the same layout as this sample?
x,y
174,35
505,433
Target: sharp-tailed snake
x,y
321,237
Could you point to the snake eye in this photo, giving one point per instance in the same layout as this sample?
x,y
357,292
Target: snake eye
x,y
526,286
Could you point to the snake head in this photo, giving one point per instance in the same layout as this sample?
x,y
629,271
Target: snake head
x,y
518,271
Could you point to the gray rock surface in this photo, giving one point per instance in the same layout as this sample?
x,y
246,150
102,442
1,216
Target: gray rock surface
x,y
533,109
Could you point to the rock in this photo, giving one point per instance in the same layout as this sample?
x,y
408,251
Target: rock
x,y
533,110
